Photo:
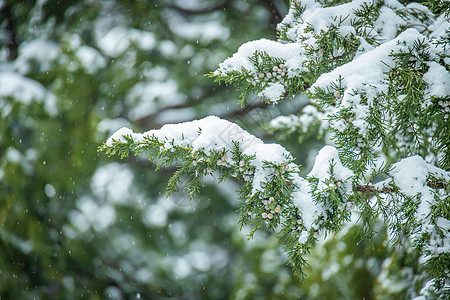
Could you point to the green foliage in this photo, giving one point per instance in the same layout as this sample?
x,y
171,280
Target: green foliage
x,y
381,121
438,7
378,271
266,208
76,224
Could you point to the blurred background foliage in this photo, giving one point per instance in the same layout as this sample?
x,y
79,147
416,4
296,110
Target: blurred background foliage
x,y
75,224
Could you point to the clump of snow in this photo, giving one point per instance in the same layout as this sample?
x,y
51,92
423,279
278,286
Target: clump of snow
x,y
215,134
410,175
119,135
438,36
25,90
439,27
210,133
13,155
200,260
205,32
113,182
178,266
285,122
72,40
292,54
319,18
91,214
115,41
91,60
439,238
155,215
309,209
388,23
167,48
273,92
41,52
303,238
438,79
327,156
118,39
144,39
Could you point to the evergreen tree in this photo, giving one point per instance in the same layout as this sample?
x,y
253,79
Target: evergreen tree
x,y
75,224
376,80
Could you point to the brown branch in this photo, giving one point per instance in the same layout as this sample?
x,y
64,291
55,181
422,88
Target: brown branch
x,y
437,185
13,45
373,190
148,121
386,190
244,111
275,14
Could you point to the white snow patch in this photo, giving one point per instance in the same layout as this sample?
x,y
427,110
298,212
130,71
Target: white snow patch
x,y
291,53
410,175
273,92
91,214
204,32
112,182
25,90
41,52
13,155
369,68
118,39
285,122
91,60
388,23
302,198
119,136
155,215
438,79
329,155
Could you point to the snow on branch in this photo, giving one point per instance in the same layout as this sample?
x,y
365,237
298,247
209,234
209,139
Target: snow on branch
x,y
273,194
368,72
377,76
314,40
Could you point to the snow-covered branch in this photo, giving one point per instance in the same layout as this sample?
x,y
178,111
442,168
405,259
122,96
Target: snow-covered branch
x,y
377,85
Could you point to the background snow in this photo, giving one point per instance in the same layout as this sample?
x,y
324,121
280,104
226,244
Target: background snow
x,y
25,90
